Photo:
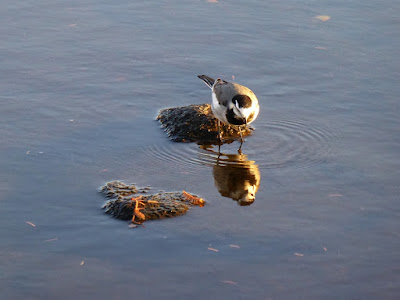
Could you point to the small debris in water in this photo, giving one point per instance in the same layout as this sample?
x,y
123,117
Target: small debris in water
x,y
335,195
30,223
212,249
322,18
320,48
51,240
230,282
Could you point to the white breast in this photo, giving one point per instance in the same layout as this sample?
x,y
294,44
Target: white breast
x,y
218,110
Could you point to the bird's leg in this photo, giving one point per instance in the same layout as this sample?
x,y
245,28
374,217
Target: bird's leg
x,y
241,140
219,131
241,143
241,135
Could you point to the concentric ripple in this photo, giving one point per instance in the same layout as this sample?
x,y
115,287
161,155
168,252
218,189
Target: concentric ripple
x,y
291,144
275,144
172,155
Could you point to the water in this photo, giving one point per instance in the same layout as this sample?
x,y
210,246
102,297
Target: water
x,y
82,83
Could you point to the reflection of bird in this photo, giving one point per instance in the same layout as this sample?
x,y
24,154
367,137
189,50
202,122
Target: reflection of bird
x,y
232,104
237,178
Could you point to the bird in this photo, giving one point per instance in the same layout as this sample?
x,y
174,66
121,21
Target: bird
x,y
232,103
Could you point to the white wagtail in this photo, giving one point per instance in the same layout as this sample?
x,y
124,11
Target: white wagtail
x,y
232,104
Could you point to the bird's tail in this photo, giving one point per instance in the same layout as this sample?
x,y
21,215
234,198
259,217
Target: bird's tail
x,y
207,80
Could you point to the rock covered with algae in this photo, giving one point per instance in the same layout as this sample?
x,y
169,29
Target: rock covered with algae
x,y
125,199
196,123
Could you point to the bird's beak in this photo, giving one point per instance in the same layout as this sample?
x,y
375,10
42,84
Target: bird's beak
x,y
240,113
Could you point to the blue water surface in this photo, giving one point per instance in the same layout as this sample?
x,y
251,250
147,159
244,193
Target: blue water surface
x,y
81,85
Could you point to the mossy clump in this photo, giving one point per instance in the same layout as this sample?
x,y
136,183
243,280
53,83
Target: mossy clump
x,y
196,123
127,202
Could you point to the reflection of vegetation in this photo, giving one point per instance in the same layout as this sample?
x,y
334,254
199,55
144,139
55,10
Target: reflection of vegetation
x,y
322,18
235,176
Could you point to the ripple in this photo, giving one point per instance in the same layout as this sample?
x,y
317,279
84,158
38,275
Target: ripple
x,y
291,144
172,155
276,144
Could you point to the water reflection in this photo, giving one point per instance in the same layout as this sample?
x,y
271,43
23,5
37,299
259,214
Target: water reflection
x,y
235,176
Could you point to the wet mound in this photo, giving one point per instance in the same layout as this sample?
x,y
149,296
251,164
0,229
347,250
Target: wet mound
x,y
127,204
196,123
